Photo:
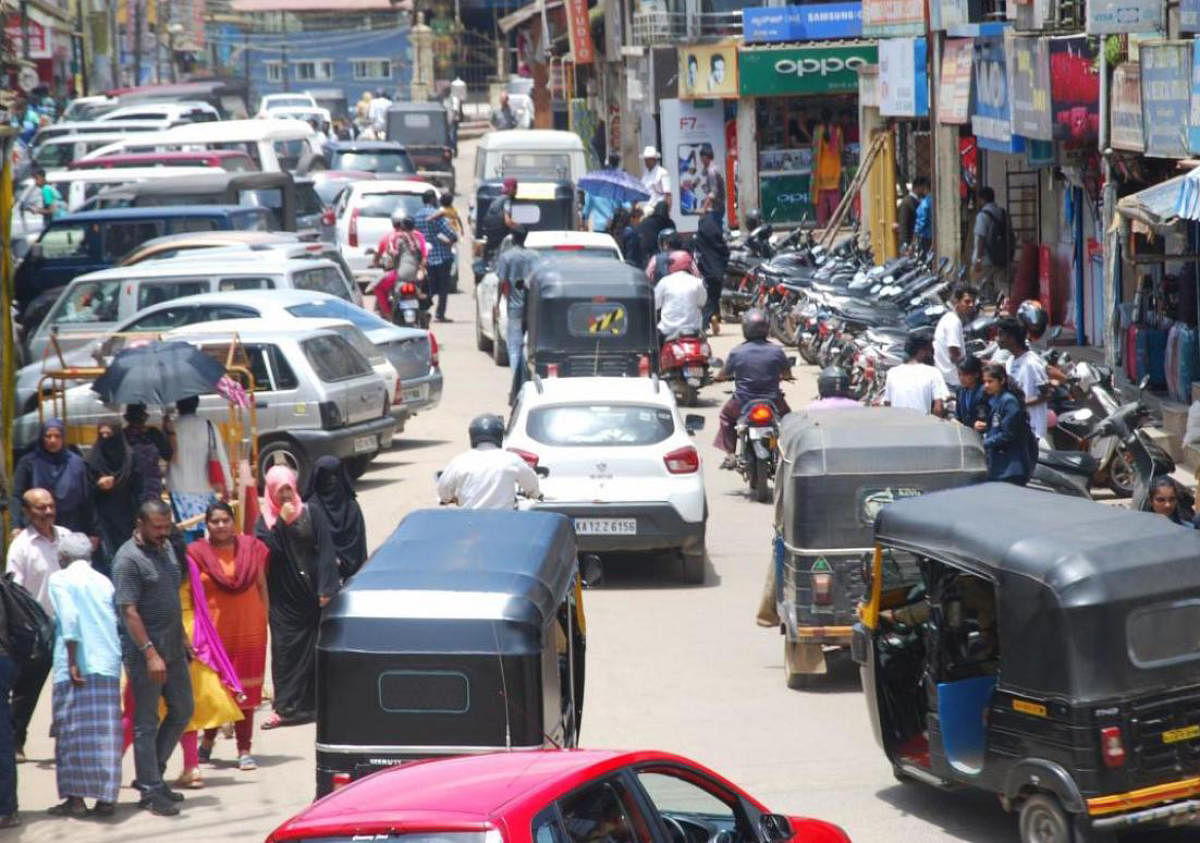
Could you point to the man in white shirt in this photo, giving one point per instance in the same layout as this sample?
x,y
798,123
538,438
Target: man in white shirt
x,y
948,342
487,476
915,383
1027,370
679,298
377,112
656,179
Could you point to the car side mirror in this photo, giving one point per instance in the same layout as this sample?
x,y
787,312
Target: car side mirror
x,y
775,828
541,471
693,423
437,475
590,570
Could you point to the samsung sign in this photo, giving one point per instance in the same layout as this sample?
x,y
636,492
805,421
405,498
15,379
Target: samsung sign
x,y
801,23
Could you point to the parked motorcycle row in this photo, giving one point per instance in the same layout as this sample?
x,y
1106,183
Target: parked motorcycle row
x,y
837,308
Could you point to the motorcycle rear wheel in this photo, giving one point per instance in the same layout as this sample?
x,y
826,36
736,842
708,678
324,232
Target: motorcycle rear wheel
x,y
760,482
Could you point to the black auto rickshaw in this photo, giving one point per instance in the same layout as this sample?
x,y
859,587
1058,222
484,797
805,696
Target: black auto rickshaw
x,y
589,316
463,633
838,469
539,205
424,130
1042,648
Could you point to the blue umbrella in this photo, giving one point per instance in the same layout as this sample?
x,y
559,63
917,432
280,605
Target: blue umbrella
x,y
614,184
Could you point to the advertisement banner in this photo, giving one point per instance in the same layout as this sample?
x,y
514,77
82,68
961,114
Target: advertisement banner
x,y
1166,95
708,71
1107,17
39,47
954,92
1075,89
903,80
883,18
820,21
579,31
687,128
991,118
1029,86
812,69
944,14
1127,108
1189,15
785,198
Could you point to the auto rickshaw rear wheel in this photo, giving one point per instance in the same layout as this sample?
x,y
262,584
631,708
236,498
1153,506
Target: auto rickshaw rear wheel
x,y
1043,820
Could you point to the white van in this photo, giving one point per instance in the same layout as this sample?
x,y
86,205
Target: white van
x,y
530,153
275,145
58,152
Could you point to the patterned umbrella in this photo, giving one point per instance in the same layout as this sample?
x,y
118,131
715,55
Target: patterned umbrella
x,y
614,184
158,374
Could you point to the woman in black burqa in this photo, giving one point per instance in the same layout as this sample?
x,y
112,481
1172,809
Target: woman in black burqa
x,y
329,490
302,577
117,489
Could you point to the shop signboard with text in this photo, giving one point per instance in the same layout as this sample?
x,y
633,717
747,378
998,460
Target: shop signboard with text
x,y
991,117
688,128
954,91
1126,132
708,71
885,18
1194,122
1029,86
816,69
579,31
903,80
1166,97
785,197
1109,17
816,22
1189,15
39,47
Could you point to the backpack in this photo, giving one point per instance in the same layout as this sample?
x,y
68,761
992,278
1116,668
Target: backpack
x,y
30,630
493,219
999,243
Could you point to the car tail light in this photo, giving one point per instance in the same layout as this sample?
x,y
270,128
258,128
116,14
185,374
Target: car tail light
x,y
408,289
398,398
531,459
552,370
340,780
822,589
1112,748
447,155
568,247
433,350
327,217
683,461
644,365
353,238
331,415
761,414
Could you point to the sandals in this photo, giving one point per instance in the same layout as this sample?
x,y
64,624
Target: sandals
x,y
247,762
191,779
68,808
276,721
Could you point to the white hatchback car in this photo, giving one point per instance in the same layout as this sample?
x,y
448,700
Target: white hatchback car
x,y
363,211
621,463
491,319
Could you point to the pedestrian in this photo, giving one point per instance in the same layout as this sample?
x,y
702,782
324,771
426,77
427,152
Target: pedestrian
x,y
631,240
149,447
712,183
377,112
441,238
51,465
916,383
9,818
712,259
923,227
329,489
497,220
147,577
302,576
970,402
513,271
598,209
948,344
198,472
1008,441
86,719
656,180
32,558
906,215
233,574
216,691
503,118
828,146
992,250
362,112
117,488
1164,499
49,202
648,231
1027,370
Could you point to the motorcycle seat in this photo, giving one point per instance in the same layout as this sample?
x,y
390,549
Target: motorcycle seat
x,y
1076,462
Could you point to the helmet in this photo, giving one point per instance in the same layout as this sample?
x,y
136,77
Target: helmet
x,y
679,261
398,217
1033,316
486,428
754,324
664,237
833,382
753,219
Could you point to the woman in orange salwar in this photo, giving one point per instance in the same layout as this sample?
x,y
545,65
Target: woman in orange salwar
x,y
233,574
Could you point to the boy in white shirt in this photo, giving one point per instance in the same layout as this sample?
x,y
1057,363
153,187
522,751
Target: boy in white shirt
x,y
916,383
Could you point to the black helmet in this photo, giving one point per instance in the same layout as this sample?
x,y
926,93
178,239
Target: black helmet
x,y
753,219
833,382
664,237
486,428
754,324
1033,316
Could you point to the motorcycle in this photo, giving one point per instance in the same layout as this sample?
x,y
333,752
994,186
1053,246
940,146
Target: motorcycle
x,y
406,306
757,446
685,363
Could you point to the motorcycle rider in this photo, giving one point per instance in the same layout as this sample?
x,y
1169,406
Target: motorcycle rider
x,y
679,299
833,387
487,476
669,245
756,367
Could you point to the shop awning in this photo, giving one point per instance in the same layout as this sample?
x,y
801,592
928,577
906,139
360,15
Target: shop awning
x,y
1188,204
514,19
1160,206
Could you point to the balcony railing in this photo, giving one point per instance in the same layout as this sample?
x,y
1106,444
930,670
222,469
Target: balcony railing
x,y
657,26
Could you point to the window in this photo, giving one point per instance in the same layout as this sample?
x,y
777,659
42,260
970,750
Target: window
x,y
156,292
334,359
121,238
274,71
526,214
382,204
218,312
1164,634
307,200
597,320
285,378
313,70
674,795
89,301
326,279
372,69
186,224
51,156
382,161
579,252
251,283
290,152
581,425
252,219
327,309
603,811
543,165
258,367
547,829
166,319
271,199
64,241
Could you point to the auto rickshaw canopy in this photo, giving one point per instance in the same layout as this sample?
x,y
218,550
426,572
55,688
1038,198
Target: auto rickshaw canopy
x,y
1093,602
575,302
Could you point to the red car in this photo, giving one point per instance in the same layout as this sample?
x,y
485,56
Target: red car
x,y
550,796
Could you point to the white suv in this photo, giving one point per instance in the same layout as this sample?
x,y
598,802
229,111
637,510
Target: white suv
x,y
621,463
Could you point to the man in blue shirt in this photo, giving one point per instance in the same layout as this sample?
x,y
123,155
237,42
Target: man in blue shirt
x,y
598,210
756,368
923,230
512,271
440,236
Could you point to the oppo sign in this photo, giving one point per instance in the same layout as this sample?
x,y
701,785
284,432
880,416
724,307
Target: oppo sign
x,y
820,67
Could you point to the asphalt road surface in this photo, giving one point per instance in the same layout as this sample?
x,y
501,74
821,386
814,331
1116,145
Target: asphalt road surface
x,y
671,667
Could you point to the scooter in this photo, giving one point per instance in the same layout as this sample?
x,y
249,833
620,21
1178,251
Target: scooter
x,y
406,307
685,364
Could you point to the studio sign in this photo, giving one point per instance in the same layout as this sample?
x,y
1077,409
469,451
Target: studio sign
x,y
825,66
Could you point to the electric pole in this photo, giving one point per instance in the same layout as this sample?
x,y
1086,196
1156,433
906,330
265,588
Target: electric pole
x,y
137,42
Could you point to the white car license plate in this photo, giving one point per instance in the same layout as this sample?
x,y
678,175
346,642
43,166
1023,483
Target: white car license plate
x,y
606,526
364,444
416,393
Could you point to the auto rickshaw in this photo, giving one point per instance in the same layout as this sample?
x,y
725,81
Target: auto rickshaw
x,y
1041,648
424,130
539,205
589,316
463,633
838,469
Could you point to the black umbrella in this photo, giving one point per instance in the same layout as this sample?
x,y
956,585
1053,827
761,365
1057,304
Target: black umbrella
x,y
157,374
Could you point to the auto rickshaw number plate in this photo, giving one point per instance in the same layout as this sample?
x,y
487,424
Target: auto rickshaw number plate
x,y
1187,733
606,526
